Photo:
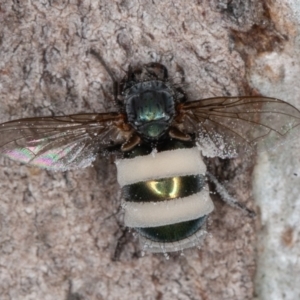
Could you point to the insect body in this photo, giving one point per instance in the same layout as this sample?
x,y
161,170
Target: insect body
x,y
162,179
157,136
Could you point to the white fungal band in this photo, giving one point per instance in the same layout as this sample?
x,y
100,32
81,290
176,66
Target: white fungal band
x,y
153,214
179,162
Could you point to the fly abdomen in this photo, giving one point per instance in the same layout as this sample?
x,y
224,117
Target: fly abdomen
x,y
164,189
166,198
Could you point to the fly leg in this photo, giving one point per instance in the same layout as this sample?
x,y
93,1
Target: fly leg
x,y
228,198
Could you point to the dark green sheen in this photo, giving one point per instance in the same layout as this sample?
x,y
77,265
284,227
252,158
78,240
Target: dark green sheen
x,y
174,232
150,109
164,189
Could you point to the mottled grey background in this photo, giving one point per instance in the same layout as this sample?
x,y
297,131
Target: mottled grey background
x,y
61,234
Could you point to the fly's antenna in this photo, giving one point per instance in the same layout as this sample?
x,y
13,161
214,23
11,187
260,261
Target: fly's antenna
x,y
115,82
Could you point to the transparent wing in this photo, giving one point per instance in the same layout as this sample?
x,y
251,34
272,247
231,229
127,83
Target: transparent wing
x,y
60,143
227,127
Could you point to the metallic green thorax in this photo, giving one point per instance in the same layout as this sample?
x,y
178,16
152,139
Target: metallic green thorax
x,y
150,108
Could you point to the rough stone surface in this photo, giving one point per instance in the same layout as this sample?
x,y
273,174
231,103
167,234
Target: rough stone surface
x,y
276,180
61,234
